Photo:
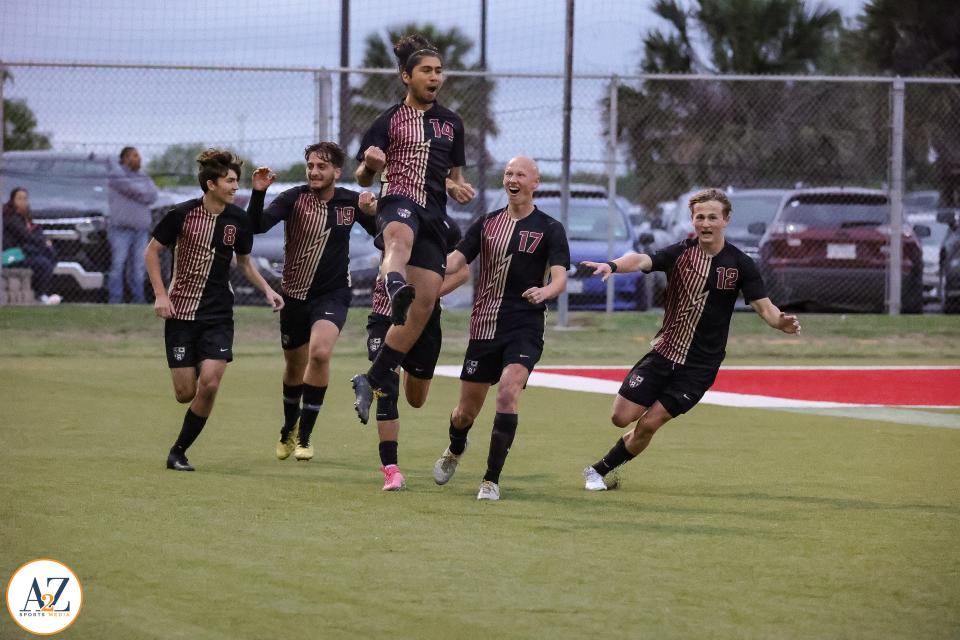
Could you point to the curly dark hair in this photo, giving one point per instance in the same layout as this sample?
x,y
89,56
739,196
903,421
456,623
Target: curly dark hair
x,y
329,151
411,49
216,163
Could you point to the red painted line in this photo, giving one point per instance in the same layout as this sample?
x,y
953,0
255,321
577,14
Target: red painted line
x,y
930,387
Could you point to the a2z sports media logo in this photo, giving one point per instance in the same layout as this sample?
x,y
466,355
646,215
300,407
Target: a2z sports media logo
x,y
44,596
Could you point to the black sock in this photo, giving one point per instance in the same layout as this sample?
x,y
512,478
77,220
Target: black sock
x,y
617,456
388,359
192,426
393,283
388,452
504,429
312,399
291,406
458,438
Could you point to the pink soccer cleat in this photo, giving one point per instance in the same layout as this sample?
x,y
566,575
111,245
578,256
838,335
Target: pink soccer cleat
x,y
393,480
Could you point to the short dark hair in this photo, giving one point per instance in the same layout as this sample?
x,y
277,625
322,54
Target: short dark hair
x,y
216,163
125,151
411,49
711,195
329,151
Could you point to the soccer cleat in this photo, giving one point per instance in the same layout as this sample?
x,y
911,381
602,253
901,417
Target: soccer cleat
x,y
446,466
303,453
489,491
287,442
400,303
177,460
593,481
365,395
393,480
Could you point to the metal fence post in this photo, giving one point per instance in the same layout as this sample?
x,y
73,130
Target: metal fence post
x,y
323,109
895,262
611,181
563,301
3,129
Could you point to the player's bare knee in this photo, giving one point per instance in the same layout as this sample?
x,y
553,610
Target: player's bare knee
x,y
320,356
462,416
620,421
208,386
185,395
416,398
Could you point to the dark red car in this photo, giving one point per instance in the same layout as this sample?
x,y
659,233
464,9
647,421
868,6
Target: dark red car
x,y
828,249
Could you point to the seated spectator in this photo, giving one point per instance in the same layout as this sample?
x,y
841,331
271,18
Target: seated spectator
x,y
20,231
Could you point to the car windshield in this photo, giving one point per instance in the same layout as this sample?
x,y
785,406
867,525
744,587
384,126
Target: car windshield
x,y
58,184
748,209
938,232
835,211
587,221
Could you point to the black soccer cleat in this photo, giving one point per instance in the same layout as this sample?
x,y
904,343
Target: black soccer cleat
x,y
364,393
400,303
178,461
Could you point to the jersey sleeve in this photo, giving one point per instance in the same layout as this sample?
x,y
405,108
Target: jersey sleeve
x,y
751,282
168,228
470,243
263,220
378,135
244,242
457,154
369,223
559,248
664,259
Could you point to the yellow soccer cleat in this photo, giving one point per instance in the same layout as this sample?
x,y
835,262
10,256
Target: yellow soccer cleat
x,y
287,445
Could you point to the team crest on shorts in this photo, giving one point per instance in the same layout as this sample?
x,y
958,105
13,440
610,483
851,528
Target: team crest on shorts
x,y
374,344
179,353
470,367
284,339
404,213
635,380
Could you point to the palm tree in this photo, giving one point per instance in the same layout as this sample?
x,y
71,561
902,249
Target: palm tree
x,y
468,96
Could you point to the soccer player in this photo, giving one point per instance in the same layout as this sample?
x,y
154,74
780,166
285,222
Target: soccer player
x,y
705,275
517,246
318,217
418,366
418,148
204,235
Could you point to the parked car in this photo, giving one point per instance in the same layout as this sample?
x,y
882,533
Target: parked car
x,y
931,234
268,256
828,248
950,261
68,199
919,201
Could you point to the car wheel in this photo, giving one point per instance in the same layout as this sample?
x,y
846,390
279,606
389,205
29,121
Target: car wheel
x,y
950,305
912,297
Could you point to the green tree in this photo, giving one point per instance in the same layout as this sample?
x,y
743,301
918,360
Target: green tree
x,y
683,134
470,97
177,166
19,124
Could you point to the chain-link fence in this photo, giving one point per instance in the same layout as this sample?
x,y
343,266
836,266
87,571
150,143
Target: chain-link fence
x,y
816,169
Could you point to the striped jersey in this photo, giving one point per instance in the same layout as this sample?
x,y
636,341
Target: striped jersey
x,y
421,147
701,293
514,256
203,246
316,237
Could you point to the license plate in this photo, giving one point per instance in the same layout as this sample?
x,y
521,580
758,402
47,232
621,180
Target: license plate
x,y
574,286
841,251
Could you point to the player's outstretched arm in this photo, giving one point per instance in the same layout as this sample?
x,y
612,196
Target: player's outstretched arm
x,y
374,160
456,272
457,186
274,299
626,263
772,315
558,282
368,203
151,257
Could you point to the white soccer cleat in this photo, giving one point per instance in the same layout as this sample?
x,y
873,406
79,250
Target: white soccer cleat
x,y
593,481
446,466
489,491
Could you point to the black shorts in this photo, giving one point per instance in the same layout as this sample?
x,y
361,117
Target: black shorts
x,y
421,360
485,360
191,341
429,231
298,316
676,386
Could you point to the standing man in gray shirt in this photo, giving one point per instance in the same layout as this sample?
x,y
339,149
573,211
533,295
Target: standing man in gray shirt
x,y
131,194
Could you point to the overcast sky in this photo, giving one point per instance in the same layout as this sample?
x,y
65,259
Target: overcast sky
x,y
271,115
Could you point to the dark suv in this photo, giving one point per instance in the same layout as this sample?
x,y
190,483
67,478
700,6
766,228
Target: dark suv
x,y
950,261
68,199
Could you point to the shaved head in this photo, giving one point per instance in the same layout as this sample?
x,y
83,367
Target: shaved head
x,y
525,163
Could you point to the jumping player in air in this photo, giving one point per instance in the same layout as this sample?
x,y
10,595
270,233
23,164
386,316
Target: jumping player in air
x,y
705,274
204,235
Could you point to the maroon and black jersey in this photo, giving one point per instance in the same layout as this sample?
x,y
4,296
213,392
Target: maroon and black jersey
x,y
316,237
421,148
701,293
203,246
514,256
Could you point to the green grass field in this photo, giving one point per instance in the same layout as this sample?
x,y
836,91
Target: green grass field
x,y
735,523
